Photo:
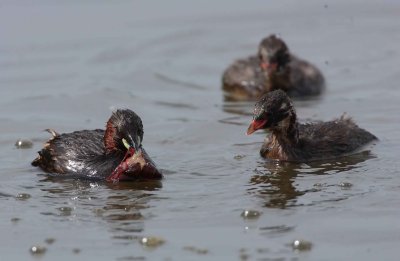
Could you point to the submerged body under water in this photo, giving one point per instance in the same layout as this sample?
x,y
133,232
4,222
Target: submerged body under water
x,y
219,199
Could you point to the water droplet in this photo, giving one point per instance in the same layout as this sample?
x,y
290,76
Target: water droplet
x,y
65,211
23,144
152,241
301,245
37,250
22,196
94,185
345,185
251,214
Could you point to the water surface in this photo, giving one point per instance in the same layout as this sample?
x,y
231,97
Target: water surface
x,y
67,65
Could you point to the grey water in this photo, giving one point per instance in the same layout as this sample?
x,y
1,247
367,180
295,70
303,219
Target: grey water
x,y
67,64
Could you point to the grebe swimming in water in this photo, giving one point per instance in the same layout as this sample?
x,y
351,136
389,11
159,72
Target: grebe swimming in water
x,y
292,141
113,154
273,68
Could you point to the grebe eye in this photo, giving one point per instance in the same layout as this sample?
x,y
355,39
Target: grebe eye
x,y
126,144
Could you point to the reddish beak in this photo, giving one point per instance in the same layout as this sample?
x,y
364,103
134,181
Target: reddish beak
x,y
264,66
255,125
268,66
135,165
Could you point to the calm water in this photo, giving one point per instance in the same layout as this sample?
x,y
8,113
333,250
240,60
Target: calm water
x,y
67,65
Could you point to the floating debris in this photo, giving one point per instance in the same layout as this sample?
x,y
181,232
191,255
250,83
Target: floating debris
x,y
151,241
301,245
251,214
65,211
345,185
76,250
22,196
50,240
196,250
23,144
38,250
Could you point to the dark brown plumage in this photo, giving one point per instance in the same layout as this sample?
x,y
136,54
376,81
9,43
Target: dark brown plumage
x,y
244,80
113,154
292,141
285,71
274,67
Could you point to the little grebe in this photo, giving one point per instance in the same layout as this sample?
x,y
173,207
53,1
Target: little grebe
x,y
274,68
114,154
244,80
292,141
285,71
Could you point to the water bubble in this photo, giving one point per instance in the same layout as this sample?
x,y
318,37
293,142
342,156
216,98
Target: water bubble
x,y
152,241
37,250
301,245
23,144
251,214
345,185
22,196
65,211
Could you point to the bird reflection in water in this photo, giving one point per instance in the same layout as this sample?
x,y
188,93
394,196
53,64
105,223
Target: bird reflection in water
x,y
120,204
274,181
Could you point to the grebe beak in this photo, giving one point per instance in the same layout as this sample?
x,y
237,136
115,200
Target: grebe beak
x,y
136,164
255,125
268,66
